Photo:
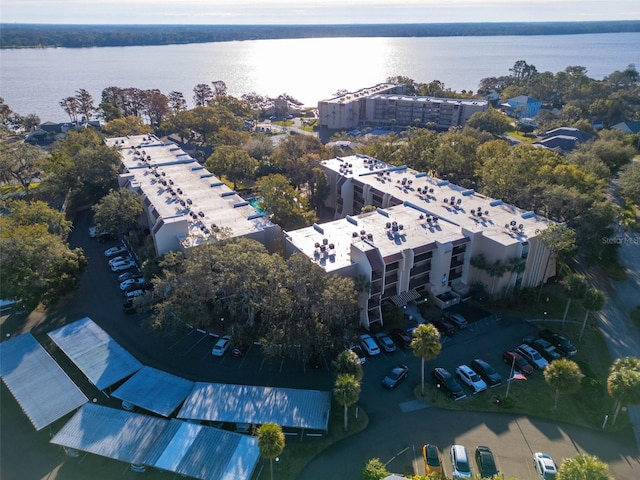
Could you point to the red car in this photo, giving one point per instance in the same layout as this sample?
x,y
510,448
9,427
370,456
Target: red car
x,y
444,326
520,364
401,337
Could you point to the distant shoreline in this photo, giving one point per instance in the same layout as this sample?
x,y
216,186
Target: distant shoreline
x,y
84,36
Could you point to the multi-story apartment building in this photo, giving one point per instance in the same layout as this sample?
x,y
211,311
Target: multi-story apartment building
x,y
421,239
347,111
386,104
419,111
185,205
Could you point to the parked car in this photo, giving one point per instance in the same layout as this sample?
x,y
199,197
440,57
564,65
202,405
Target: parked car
x,y
357,349
432,462
122,266
457,319
221,346
395,376
134,293
385,342
117,250
460,462
369,345
128,306
132,283
240,350
445,380
127,275
543,347
471,378
401,337
487,372
445,327
532,356
545,466
486,462
562,343
515,359
119,259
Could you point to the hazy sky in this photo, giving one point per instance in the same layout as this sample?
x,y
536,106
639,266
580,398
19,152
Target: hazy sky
x,y
312,11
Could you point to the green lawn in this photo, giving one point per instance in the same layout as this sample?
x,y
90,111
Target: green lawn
x,y
533,397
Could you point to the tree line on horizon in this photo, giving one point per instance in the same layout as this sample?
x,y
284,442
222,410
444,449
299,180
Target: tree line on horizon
x,y
82,36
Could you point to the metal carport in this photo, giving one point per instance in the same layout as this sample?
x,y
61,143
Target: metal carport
x,y
95,353
154,390
42,389
287,407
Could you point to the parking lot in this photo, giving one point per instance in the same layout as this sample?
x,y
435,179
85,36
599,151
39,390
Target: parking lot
x,y
399,425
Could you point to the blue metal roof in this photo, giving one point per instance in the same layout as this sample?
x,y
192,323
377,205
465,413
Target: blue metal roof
x,y
42,389
95,353
287,407
154,390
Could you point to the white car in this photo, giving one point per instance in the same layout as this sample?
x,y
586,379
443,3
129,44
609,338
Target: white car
x,y
385,342
545,466
471,378
369,344
110,252
119,259
135,293
119,267
221,346
457,319
532,356
460,462
132,283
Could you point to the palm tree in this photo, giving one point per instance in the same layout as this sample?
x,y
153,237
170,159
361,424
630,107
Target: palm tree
x,y
564,376
426,344
575,287
346,392
623,383
349,363
270,442
592,301
560,241
584,467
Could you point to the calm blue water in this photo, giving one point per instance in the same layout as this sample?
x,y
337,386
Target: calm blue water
x,y
34,81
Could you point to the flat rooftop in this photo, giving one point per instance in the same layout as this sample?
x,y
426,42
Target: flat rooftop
x,y
503,223
362,93
329,244
414,99
179,188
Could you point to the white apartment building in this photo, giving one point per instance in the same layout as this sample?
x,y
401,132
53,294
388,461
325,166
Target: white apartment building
x,y
419,111
422,237
186,205
385,104
347,111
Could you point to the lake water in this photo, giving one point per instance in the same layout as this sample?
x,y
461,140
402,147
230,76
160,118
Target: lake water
x,y
35,80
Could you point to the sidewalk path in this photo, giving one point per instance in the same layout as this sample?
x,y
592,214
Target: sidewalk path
x,y
620,334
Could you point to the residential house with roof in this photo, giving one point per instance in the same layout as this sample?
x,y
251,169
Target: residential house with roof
x,y
563,139
422,239
186,205
628,126
523,106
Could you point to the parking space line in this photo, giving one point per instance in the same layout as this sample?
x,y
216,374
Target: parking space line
x,y
196,344
181,339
